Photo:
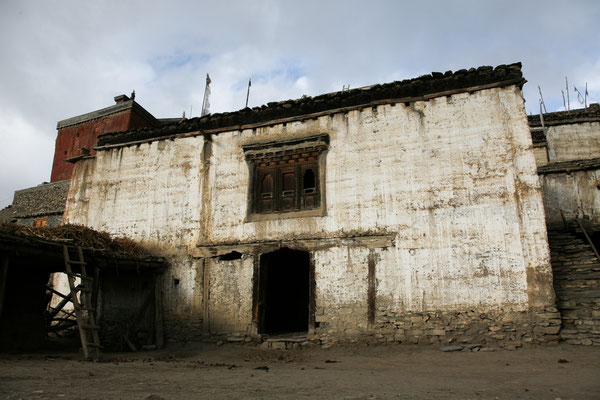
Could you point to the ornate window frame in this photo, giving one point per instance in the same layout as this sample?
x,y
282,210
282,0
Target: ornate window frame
x,y
287,178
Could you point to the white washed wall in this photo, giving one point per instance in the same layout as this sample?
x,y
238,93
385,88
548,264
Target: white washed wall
x,y
454,178
571,196
574,141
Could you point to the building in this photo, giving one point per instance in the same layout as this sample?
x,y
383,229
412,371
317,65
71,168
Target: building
x,y
77,136
567,146
43,205
569,166
406,212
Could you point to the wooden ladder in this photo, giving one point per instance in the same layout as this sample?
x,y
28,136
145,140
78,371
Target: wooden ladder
x,y
83,304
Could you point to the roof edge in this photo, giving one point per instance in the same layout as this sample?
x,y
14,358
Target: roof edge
x,y
577,116
418,89
114,109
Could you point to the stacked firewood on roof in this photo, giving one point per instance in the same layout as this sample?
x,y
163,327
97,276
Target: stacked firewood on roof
x,y
77,235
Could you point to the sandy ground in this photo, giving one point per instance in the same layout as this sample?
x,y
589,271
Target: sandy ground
x,y
236,371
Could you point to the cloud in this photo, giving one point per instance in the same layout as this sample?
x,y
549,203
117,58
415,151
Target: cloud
x,y
22,141
62,59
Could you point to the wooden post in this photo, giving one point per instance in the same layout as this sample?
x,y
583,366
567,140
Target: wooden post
x,y
372,261
3,277
158,313
255,293
205,296
312,293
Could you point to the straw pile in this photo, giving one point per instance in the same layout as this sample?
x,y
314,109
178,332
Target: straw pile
x,y
77,235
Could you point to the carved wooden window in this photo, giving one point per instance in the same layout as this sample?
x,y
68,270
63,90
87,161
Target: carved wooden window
x,y
286,176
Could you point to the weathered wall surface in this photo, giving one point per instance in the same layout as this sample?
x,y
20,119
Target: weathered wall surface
x,y
541,155
452,179
151,192
230,294
574,141
182,291
568,196
341,277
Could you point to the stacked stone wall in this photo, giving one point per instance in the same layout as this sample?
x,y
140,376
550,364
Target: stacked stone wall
x,y
483,327
577,285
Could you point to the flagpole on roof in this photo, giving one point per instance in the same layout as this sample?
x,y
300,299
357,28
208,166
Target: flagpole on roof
x,y
206,100
248,94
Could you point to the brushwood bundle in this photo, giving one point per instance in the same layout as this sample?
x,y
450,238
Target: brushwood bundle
x,y
77,235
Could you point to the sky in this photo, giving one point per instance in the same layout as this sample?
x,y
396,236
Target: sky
x,y
64,58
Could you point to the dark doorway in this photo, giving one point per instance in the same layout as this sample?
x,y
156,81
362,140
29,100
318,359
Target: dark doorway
x,y
284,291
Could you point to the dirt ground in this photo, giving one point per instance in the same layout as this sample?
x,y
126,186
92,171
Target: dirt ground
x,y
234,371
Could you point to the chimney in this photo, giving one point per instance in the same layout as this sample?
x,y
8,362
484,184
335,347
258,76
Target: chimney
x,y
121,99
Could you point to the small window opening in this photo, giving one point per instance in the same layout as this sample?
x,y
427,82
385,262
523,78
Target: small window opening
x,y
175,281
309,181
234,255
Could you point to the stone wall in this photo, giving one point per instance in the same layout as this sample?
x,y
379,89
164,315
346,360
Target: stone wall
x,y
577,283
45,200
504,327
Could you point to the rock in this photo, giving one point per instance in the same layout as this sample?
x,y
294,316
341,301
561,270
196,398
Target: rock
x,y
437,332
153,397
451,348
278,345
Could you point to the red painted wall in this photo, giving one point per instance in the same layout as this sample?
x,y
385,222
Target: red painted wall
x,y
73,138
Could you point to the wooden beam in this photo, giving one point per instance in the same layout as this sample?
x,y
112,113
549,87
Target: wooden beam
x,y
371,288
59,306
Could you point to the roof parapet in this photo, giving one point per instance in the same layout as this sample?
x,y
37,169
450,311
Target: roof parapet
x,y
418,89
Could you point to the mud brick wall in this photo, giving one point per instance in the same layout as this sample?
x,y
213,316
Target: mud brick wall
x,y
577,284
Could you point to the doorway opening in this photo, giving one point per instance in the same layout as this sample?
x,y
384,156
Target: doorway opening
x,y
284,292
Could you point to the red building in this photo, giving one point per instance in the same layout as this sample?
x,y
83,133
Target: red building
x,y
78,135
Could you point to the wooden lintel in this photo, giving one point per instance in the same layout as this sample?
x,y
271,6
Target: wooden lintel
x,y
374,241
